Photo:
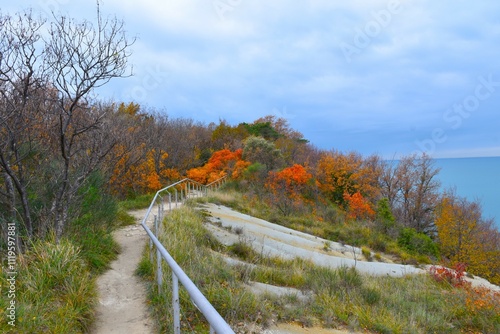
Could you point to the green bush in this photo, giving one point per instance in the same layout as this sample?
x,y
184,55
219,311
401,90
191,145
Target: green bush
x,y
385,218
417,243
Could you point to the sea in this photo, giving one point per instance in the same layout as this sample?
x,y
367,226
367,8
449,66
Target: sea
x,y
474,179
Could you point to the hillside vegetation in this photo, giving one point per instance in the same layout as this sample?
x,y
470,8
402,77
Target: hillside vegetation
x,y
330,298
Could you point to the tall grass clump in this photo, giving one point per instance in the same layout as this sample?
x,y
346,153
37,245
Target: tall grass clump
x,y
55,290
99,215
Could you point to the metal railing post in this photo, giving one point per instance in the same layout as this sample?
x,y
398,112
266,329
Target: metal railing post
x,y
151,245
176,304
162,212
159,272
170,202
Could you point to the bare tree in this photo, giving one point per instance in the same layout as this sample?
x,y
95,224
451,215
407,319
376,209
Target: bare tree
x,y
81,58
412,189
22,92
49,121
389,182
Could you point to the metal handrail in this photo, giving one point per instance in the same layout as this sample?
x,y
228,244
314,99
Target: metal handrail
x,y
217,323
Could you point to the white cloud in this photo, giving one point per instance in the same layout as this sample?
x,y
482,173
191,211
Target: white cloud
x,y
263,55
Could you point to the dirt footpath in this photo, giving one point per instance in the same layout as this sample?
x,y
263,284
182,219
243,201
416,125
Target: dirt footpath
x,y
122,294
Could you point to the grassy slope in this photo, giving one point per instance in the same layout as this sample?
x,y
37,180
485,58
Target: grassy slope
x,y
342,298
56,290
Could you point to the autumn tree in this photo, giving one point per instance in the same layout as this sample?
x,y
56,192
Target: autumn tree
x,y
131,151
339,174
358,207
287,187
221,163
187,142
466,238
225,136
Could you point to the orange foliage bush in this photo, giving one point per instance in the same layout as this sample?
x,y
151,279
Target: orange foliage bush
x,y
287,187
478,298
337,174
481,298
454,277
358,207
221,163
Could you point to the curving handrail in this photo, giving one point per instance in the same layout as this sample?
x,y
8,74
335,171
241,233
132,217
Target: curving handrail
x,y
217,323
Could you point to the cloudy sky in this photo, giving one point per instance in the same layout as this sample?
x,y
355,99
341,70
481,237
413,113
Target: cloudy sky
x,y
390,77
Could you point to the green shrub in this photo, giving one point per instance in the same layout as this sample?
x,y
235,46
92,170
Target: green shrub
x,y
98,247
417,243
385,219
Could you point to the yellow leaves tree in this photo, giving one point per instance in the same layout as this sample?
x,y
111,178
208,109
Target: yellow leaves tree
x,y
138,175
464,237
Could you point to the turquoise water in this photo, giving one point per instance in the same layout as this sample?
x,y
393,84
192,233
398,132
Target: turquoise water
x,y
474,178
